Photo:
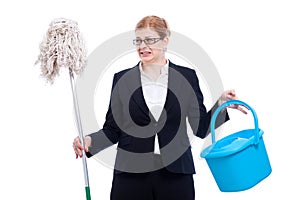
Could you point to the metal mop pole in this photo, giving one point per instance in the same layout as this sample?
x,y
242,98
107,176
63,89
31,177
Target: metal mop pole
x,y
63,46
79,127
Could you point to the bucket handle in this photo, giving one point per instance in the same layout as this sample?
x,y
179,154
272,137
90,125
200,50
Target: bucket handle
x,y
226,104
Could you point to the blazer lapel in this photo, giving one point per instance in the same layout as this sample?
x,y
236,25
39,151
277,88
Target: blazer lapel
x,y
133,83
134,86
174,86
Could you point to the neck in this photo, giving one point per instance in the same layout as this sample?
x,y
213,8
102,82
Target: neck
x,y
153,70
160,62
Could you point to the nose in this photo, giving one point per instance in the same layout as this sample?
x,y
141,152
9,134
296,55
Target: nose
x,y
143,44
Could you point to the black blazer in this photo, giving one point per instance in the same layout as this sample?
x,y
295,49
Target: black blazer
x,y
130,124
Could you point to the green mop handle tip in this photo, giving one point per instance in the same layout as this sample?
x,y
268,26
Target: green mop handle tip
x,y
87,192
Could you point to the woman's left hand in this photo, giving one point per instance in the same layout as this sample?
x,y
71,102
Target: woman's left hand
x,y
230,95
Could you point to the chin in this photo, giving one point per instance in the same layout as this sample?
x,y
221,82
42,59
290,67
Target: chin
x,y
146,59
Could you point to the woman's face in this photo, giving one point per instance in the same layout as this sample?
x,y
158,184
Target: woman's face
x,y
150,46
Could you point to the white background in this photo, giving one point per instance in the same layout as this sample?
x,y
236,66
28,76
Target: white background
x,y
255,46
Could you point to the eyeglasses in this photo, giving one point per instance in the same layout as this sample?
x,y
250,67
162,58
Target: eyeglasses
x,y
147,41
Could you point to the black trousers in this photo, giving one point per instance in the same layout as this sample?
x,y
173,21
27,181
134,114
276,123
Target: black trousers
x,y
156,185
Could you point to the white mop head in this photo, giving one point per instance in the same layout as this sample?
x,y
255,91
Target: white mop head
x,y
62,46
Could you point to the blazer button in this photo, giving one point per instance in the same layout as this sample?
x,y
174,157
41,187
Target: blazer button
x,y
155,124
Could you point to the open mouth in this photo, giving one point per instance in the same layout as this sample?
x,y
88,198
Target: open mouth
x,y
145,53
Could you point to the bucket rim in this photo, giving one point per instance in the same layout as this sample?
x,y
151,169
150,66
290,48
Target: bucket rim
x,y
215,150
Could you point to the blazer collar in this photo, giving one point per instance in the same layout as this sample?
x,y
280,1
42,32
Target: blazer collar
x,y
134,85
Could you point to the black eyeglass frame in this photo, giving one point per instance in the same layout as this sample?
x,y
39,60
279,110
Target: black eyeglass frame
x,y
147,41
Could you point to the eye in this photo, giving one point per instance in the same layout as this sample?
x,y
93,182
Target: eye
x,y
149,40
137,41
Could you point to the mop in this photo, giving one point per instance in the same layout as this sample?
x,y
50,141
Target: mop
x,y
63,46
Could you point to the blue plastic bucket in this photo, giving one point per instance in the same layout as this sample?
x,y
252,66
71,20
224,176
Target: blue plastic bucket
x,y
238,161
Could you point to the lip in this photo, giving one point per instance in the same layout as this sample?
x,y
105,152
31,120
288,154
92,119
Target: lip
x,y
145,53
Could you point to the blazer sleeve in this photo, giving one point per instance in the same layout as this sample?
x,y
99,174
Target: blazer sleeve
x,y
198,117
110,132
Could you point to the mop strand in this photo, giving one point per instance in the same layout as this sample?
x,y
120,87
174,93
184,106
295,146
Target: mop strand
x,y
62,46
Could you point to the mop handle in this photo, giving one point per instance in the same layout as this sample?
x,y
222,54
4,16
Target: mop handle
x,y
79,127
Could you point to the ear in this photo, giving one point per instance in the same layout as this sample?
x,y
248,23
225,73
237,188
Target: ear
x,y
166,41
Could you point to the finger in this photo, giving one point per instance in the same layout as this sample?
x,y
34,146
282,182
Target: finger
x,y
234,106
77,147
242,110
231,96
238,107
77,151
231,92
77,143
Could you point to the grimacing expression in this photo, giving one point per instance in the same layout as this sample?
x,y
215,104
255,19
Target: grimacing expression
x,y
150,46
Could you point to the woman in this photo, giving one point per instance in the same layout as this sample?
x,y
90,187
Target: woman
x,y
147,118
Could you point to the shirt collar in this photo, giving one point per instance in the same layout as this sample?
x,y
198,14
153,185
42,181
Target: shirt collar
x,y
164,69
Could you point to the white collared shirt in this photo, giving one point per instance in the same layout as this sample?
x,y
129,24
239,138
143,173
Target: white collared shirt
x,y
155,94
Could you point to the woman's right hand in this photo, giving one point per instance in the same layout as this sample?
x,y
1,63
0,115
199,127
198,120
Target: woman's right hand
x,y
78,147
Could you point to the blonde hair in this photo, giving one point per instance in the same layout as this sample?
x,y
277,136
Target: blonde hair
x,y
158,24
